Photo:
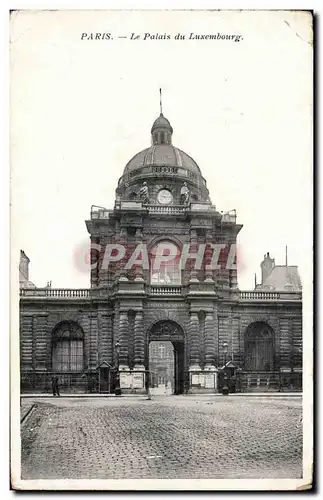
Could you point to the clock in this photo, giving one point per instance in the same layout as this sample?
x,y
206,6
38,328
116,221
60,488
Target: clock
x,y
164,197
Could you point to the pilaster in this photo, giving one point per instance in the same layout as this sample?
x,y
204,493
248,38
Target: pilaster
x,y
123,340
209,341
194,342
139,341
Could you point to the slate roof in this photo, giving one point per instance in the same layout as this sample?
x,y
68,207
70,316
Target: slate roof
x,y
162,154
282,278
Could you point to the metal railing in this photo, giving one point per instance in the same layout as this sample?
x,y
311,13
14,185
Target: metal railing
x,y
230,216
268,381
100,212
195,205
41,381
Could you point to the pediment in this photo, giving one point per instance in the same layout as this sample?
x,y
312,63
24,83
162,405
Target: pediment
x,y
104,364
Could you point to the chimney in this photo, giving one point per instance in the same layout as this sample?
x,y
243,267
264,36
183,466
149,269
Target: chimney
x,y
23,267
267,266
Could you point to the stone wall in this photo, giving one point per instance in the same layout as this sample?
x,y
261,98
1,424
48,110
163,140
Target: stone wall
x,y
206,324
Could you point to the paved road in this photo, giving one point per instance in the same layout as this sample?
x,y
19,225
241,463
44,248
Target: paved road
x,y
168,437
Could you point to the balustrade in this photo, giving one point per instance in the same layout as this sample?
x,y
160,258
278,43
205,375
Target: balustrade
x,y
165,290
84,293
261,295
173,209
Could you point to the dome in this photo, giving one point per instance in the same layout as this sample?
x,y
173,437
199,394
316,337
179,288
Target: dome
x,y
163,155
161,122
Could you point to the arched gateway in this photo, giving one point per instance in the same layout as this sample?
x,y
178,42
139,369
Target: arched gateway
x,y
162,333
259,347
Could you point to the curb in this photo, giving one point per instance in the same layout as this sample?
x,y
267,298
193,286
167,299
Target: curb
x,y
22,420
138,396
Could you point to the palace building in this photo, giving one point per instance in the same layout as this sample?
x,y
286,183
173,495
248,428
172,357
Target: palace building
x,y
163,285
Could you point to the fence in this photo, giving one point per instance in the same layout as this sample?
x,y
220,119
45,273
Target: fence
x,y
268,381
69,382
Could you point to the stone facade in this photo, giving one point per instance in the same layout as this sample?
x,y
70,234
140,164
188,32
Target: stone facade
x,y
100,336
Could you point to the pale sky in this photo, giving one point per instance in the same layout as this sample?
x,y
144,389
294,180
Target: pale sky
x,y
80,109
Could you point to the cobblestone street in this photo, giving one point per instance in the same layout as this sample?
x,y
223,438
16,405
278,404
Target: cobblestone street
x,y
168,437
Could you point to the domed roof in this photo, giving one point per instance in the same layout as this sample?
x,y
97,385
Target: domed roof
x,y
162,152
161,122
163,155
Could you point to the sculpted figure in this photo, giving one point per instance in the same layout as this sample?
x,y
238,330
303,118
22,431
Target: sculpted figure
x,y
144,193
185,194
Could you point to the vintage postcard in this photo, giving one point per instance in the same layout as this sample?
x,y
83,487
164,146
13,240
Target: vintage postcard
x,y
161,249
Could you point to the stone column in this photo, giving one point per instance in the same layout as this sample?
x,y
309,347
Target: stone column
x,y
209,341
105,338
26,343
117,265
123,340
194,342
138,373
139,269
123,241
194,248
96,262
208,275
139,342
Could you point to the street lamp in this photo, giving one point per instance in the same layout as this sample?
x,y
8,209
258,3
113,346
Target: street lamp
x,y
225,388
117,389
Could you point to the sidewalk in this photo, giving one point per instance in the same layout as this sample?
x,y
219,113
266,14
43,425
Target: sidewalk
x,y
219,395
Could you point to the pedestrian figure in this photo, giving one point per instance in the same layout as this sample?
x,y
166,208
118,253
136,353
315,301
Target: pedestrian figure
x,y
55,385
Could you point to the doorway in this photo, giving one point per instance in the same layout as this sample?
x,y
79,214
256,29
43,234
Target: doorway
x,y
259,347
166,359
161,367
105,379
179,367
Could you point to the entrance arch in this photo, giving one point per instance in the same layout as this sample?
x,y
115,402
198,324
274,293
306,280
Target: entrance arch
x,y
67,347
259,347
162,333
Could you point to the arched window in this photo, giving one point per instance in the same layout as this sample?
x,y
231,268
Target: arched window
x,y
164,260
259,347
67,348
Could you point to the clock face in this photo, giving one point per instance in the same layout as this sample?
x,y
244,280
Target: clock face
x,y
164,197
